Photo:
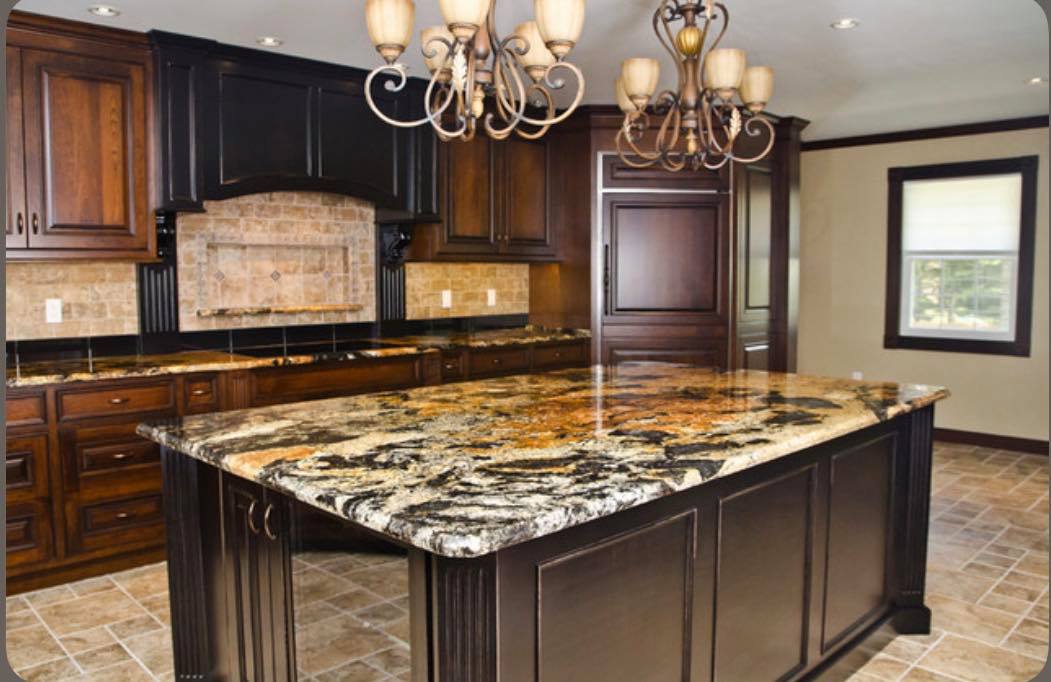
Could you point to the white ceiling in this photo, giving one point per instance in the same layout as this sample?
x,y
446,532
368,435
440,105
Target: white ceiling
x,y
910,64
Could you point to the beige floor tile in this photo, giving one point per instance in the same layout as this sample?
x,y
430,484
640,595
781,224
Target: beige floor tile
x,y
129,671
16,605
30,646
1026,645
1039,611
1006,604
1034,562
21,619
103,657
134,626
144,582
1006,589
52,671
388,581
990,559
87,639
957,584
976,662
84,613
50,595
1024,539
380,614
159,607
315,584
354,600
1033,629
984,570
1016,577
153,650
970,620
885,667
399,629
92,585
336,642
923,675
353,672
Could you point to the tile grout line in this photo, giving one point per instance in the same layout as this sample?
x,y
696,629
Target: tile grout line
x,y
55,637
124,644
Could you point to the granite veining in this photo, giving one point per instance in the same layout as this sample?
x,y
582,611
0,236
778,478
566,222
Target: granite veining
x,y
492,338
466,469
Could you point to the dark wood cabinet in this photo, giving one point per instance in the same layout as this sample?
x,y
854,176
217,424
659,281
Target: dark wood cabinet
x,y
494,203
235,121
79,148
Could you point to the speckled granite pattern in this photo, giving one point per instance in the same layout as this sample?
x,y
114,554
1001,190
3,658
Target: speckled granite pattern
x,y
492,338
132,366
466,469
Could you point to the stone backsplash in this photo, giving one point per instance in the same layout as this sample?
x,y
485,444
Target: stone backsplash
x,y
98,299
283,258
469,283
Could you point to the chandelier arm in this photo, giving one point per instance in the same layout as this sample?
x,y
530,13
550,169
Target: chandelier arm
x,y
648,161
755,133
557,85
540,132
399,69
512,99
518,96
721,9
642,127
661,19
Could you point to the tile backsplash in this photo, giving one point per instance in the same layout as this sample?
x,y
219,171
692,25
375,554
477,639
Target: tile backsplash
x,y
283,258
98,299
468,284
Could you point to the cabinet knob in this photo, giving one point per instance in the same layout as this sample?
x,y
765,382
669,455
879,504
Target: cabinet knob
x,y
117,401
450,365
121,455
20,223
251,518
266,522
558,354
36,223
496,361
200,391
122,515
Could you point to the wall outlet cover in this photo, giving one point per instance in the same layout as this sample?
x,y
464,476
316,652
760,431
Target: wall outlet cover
x,y
447,298
53,310
857,376
490,297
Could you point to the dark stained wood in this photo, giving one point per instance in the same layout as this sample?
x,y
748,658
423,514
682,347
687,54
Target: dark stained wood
x,y
860,522
561,355
28,534
17,217
463,603
285,384
618,175
620,350
763,578
525,196
989,440
26,467
127,399
467,200
493,362
896,177
201,394
107,457
25,410
981,128
113,524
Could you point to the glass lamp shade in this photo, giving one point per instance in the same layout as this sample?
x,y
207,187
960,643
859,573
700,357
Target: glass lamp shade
x,y
537,58
757,87
440,51
561,22
390,25
623,101
639,76
464,17
723,70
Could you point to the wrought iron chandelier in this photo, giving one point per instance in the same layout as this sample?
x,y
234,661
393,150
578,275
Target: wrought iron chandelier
x,y
701,122
473,70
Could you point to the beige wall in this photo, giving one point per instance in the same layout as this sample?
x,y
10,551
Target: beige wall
x,y
469,283
98,299
842,287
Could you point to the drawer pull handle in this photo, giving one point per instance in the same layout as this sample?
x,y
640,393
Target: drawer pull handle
x,y
200,391
123,515
20,221
251,518
121,455
558,354
117,401
450,365
36,223
496,361
266,522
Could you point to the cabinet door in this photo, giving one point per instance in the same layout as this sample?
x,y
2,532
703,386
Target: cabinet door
x,y
469,226
523,226
85,152
16,179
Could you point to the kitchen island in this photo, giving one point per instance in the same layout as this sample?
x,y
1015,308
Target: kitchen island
x,y
653,522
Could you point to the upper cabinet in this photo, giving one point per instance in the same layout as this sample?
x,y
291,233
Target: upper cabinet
x,y
494,203
78,143
235,121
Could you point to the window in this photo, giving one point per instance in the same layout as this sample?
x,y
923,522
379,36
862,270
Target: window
x,y
960,256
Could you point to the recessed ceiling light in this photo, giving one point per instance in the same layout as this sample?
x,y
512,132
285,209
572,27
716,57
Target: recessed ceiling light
x,y
104,10
269,41
1038,80
845,23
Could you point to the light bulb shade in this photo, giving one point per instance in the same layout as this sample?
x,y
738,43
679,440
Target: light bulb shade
x,y
461,13
757,86
724,68
537,55
560,21
440,51
390,22
639,76
623,101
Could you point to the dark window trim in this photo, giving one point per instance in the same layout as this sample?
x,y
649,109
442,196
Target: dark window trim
x,y
896,177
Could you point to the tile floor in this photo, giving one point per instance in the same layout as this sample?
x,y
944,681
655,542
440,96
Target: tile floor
x,y
987,584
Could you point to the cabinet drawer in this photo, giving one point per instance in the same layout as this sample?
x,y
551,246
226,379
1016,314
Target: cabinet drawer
x,y
453,366
558,356
101,457
28,534
500,361
115,523
201,394
28,410
290,384
26,468
131,399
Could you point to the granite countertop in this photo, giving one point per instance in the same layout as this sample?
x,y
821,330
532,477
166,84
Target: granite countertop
x,y
463,470
29,374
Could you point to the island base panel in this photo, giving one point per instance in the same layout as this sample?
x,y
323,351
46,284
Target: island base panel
x,y
767,574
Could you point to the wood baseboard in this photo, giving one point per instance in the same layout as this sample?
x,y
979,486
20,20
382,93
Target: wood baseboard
x,y
988,440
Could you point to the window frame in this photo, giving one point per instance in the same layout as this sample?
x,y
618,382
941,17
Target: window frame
x,y
1027,166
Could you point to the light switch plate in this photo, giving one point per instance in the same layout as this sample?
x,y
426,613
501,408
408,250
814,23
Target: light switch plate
x,y
490,297
53,310
447,298
857,376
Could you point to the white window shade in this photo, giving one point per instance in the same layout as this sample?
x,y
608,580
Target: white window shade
x,y
968,214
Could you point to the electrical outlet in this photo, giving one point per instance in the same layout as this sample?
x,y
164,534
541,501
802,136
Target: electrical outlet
x,y
447,298
53,310
490,297
857,376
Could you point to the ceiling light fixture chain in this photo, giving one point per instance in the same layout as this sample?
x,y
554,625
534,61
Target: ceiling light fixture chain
x,y
506,85
701,121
